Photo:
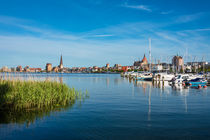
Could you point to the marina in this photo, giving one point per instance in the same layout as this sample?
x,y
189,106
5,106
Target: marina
x,y
194,80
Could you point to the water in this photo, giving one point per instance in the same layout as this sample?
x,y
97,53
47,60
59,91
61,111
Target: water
x,y
121,109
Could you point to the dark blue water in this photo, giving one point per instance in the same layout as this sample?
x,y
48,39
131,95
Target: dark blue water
x,y
121,109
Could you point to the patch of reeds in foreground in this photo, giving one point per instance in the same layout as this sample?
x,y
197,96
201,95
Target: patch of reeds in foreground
x,y
18,94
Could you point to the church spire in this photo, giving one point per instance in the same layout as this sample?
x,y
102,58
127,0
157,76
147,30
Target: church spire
x,y
61,62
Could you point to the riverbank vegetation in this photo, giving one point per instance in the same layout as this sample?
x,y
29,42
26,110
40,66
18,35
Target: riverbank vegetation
x,y
29,95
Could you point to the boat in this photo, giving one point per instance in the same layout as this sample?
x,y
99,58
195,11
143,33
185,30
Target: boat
x,y
133,74
184,78
144,76
178,79
163,77
196,82
126,74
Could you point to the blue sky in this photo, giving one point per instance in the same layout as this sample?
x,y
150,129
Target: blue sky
x,y
94,32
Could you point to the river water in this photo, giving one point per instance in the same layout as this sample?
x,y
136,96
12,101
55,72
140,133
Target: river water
x,y
119,109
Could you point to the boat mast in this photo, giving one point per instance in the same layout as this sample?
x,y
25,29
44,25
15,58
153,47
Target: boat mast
x,y
150,56
202,61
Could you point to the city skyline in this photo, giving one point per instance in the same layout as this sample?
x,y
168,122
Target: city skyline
x,y
89,33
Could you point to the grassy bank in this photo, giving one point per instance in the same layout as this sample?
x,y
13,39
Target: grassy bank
x,y
18,94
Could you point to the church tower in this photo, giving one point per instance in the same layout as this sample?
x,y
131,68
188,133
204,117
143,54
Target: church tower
x,y
61,63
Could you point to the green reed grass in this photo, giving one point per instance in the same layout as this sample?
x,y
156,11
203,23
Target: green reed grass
x,y
20,94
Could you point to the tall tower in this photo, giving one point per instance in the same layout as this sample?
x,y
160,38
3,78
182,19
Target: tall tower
x,y
61,63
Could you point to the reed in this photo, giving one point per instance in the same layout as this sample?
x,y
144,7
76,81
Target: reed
x,y
30,94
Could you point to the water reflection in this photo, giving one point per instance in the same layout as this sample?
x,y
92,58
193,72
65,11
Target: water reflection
x,y
107,81
149,103
30,116
164,88
61,80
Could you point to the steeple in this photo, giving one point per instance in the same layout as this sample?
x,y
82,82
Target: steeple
x,y
61,62
144,59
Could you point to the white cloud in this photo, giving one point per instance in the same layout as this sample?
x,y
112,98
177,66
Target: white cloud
x,y
138,7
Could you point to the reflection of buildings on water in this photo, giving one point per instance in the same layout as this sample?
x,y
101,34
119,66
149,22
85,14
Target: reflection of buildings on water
x,y
107,81
164,86
147,88
149,103
180,90
48,78
143,84
61,79
95,79
185,103
183,92
117,81
164,90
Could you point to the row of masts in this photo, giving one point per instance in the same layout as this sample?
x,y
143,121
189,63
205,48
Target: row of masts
x,y
185,55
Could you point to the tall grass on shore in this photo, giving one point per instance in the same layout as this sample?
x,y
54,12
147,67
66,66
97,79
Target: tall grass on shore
x,y
20,94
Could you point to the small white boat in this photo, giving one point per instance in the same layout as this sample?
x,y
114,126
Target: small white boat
x,y
163,77
144,76
133,74
180,78
126,74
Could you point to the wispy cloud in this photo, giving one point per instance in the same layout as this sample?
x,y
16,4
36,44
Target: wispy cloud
x,y
129,41
138,7
166,12
169,37
189,18
198,30
104,35
12,20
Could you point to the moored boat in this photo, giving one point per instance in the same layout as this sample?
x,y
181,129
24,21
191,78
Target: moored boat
x,y
144,76
196,82
163,77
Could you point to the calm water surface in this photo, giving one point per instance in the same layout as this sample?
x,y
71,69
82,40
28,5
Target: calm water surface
x,y
121,109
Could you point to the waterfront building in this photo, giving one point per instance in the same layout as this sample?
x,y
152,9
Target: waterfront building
x,y
125,68
157,67
13,69
107,65
83,69
19,68
161,67
27,69
35,69
48,67
166,66
5,69
95,69
143,64
178,63
117,65
55,69
197,64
